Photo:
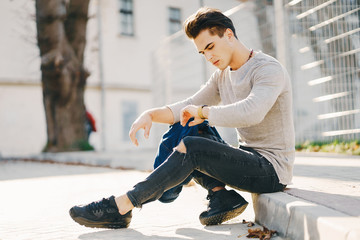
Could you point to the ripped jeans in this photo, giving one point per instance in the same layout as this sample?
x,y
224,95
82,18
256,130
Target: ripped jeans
x,y
209,160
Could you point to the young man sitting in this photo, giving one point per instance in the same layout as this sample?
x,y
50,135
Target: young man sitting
x,y
255,94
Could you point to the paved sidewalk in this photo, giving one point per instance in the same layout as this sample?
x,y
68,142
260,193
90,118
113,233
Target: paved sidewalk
x,y
35,199
322,203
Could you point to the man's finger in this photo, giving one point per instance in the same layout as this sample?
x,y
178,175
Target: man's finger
x,y
185,116
182,118
134,141
132,135
195,122
147,131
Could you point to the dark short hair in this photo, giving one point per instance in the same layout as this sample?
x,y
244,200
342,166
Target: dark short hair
x,y
208,18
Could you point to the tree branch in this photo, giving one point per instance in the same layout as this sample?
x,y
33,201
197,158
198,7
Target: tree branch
x,y
75,26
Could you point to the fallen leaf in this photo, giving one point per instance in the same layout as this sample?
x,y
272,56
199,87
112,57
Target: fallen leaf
x,y
254,233
264,234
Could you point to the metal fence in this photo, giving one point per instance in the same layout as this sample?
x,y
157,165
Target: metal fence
x,y
326,36
321,47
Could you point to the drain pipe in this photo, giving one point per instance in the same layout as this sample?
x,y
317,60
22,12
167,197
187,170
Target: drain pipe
x,y
101,77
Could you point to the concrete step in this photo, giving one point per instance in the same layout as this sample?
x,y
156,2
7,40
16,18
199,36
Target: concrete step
x,y
323,203
295,218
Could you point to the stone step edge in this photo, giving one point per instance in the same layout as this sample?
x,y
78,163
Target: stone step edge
x,y
294,218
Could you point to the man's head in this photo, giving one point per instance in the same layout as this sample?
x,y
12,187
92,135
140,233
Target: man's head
x,y
214,36
208,18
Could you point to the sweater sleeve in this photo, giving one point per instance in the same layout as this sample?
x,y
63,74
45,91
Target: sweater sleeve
x,y
268,83
207,95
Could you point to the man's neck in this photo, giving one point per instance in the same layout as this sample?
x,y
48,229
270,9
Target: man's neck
x,y
240,56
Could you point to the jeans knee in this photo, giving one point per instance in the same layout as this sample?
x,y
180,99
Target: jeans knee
x,y
190,141
181,147
187,140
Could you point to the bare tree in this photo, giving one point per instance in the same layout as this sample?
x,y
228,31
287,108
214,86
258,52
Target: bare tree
x,y
61,35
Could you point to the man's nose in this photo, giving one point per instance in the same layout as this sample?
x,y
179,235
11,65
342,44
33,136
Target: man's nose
x,y
208,56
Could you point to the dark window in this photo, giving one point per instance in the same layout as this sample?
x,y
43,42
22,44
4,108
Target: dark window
x,y
174,20
126,17
129,114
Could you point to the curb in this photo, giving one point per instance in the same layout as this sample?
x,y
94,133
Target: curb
x,y
294,218
326,155
128,160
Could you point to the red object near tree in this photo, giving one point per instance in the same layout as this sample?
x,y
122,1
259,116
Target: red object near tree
x,y
91,120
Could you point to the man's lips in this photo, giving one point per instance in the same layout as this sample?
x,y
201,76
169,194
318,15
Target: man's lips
x,y
216,62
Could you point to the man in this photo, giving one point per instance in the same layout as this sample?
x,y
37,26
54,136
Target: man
x,y
255,95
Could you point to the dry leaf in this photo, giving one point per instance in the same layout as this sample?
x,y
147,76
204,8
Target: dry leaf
x,y
253,233
264,234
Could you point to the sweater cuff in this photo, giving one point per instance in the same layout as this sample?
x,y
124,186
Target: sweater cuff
x,y
210,116
175,109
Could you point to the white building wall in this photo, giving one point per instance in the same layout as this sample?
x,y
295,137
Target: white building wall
x,y
19,60
127,71
22,118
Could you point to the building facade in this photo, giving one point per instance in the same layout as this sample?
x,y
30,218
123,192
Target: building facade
x,y
122,38
139,58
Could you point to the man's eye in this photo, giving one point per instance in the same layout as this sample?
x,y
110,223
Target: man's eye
x,y
211,47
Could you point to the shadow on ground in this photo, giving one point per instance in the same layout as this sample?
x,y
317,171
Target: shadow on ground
x,y
212,232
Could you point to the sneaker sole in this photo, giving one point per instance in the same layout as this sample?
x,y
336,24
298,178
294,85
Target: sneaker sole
x,y
223,217
87,223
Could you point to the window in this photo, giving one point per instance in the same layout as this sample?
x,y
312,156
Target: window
x,y
129,114
174,20
126,17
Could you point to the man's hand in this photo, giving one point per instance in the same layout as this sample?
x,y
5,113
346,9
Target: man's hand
x,y
189,112
144,121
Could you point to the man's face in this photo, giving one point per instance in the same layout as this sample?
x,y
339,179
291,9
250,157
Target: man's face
x,y
217,50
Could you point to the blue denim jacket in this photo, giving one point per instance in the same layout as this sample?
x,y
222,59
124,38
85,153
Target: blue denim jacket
x,y
171,139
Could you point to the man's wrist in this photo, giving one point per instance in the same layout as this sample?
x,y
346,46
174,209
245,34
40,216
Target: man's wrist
x,y
201,112
205,112
150,113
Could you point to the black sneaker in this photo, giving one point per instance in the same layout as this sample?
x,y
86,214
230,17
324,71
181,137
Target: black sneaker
x,y
100,214
223,206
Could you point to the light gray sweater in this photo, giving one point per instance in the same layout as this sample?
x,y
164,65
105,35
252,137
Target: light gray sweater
x,y
256,99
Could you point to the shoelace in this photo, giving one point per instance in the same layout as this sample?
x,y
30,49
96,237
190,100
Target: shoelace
x,y
99,205
210,194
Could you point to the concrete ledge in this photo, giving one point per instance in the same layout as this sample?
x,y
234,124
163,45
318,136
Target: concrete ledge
x,y
295,218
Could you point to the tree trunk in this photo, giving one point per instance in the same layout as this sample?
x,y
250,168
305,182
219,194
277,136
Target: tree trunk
x,y
61,35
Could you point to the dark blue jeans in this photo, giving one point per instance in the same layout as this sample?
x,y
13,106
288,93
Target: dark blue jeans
x,y
209,160
170,140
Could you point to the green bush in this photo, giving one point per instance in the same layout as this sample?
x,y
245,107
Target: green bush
x,y
345,147
83,145
80,145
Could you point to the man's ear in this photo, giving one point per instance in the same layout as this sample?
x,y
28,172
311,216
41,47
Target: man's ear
x,y
229,33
